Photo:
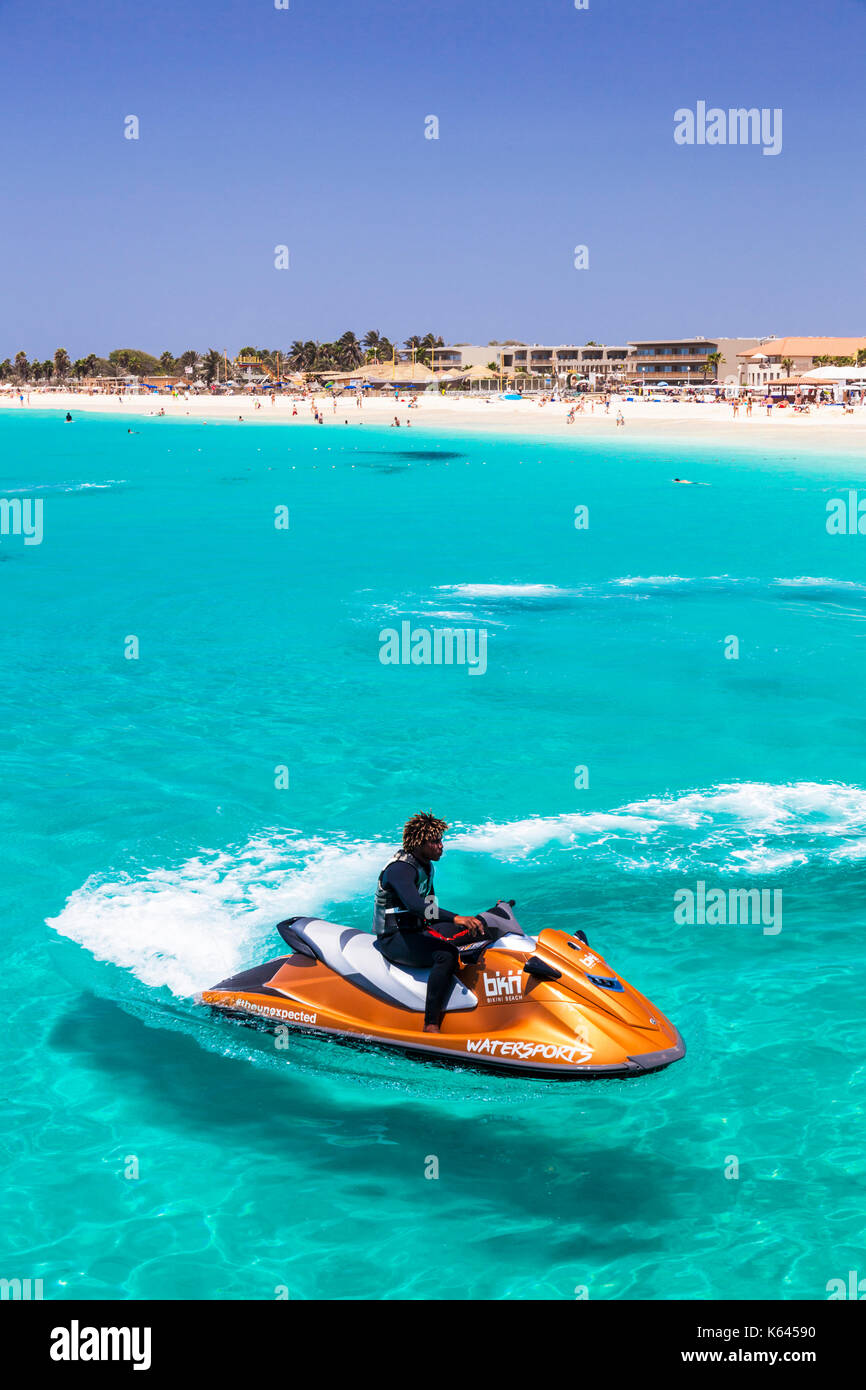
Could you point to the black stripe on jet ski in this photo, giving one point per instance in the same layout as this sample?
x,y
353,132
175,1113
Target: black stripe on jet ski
x,y
654,1061
453,1061
459,1061
255,979
293,937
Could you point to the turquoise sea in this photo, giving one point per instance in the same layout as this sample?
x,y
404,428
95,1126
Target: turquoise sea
x,y
148,854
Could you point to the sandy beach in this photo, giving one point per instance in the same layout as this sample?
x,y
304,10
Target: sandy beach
x,y
824,427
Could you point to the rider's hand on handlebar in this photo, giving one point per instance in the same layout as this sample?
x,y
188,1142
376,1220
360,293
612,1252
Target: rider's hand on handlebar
x,y
472,924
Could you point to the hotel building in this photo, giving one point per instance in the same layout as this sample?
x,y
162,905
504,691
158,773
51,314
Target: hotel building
x,y
778,359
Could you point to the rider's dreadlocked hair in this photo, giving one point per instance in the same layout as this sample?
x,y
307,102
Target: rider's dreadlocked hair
x,y
421,827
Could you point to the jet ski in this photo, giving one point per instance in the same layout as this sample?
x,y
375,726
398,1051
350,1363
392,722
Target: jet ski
x,y
546,1007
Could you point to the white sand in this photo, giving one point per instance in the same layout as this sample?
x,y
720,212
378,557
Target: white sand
x,y
825,427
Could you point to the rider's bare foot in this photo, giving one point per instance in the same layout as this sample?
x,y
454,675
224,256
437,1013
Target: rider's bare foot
x,y
431,1027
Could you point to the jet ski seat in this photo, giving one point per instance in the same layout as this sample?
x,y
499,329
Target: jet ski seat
x,y
353,955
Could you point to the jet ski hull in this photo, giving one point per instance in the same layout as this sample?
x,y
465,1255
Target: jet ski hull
x,y
551,1009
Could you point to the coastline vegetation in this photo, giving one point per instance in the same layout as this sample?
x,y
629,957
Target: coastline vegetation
x,y
346,353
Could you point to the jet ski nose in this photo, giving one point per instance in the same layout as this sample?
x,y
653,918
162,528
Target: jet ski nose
x,y
654,1061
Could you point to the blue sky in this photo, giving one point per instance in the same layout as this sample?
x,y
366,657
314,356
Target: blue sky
x,y
305,127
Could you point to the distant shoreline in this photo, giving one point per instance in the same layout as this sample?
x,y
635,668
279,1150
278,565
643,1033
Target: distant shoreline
x,y
686,422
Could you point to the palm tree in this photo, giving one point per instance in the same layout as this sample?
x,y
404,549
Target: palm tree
x,y
21,365
349,350
212,360
429,344
713,359
61,362
304,356
372,342
166,361
295,355
788,364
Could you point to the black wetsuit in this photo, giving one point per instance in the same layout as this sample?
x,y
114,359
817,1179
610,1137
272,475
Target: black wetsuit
x,y
415,939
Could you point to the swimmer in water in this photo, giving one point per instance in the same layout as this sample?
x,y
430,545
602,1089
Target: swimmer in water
x,y
68,418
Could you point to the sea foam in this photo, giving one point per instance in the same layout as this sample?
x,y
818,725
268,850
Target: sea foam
x,y
184,927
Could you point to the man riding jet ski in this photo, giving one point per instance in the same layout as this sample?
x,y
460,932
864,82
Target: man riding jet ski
x,y
549,1007
411,926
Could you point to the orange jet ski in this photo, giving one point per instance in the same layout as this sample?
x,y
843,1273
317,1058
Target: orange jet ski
x,y
547,1007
